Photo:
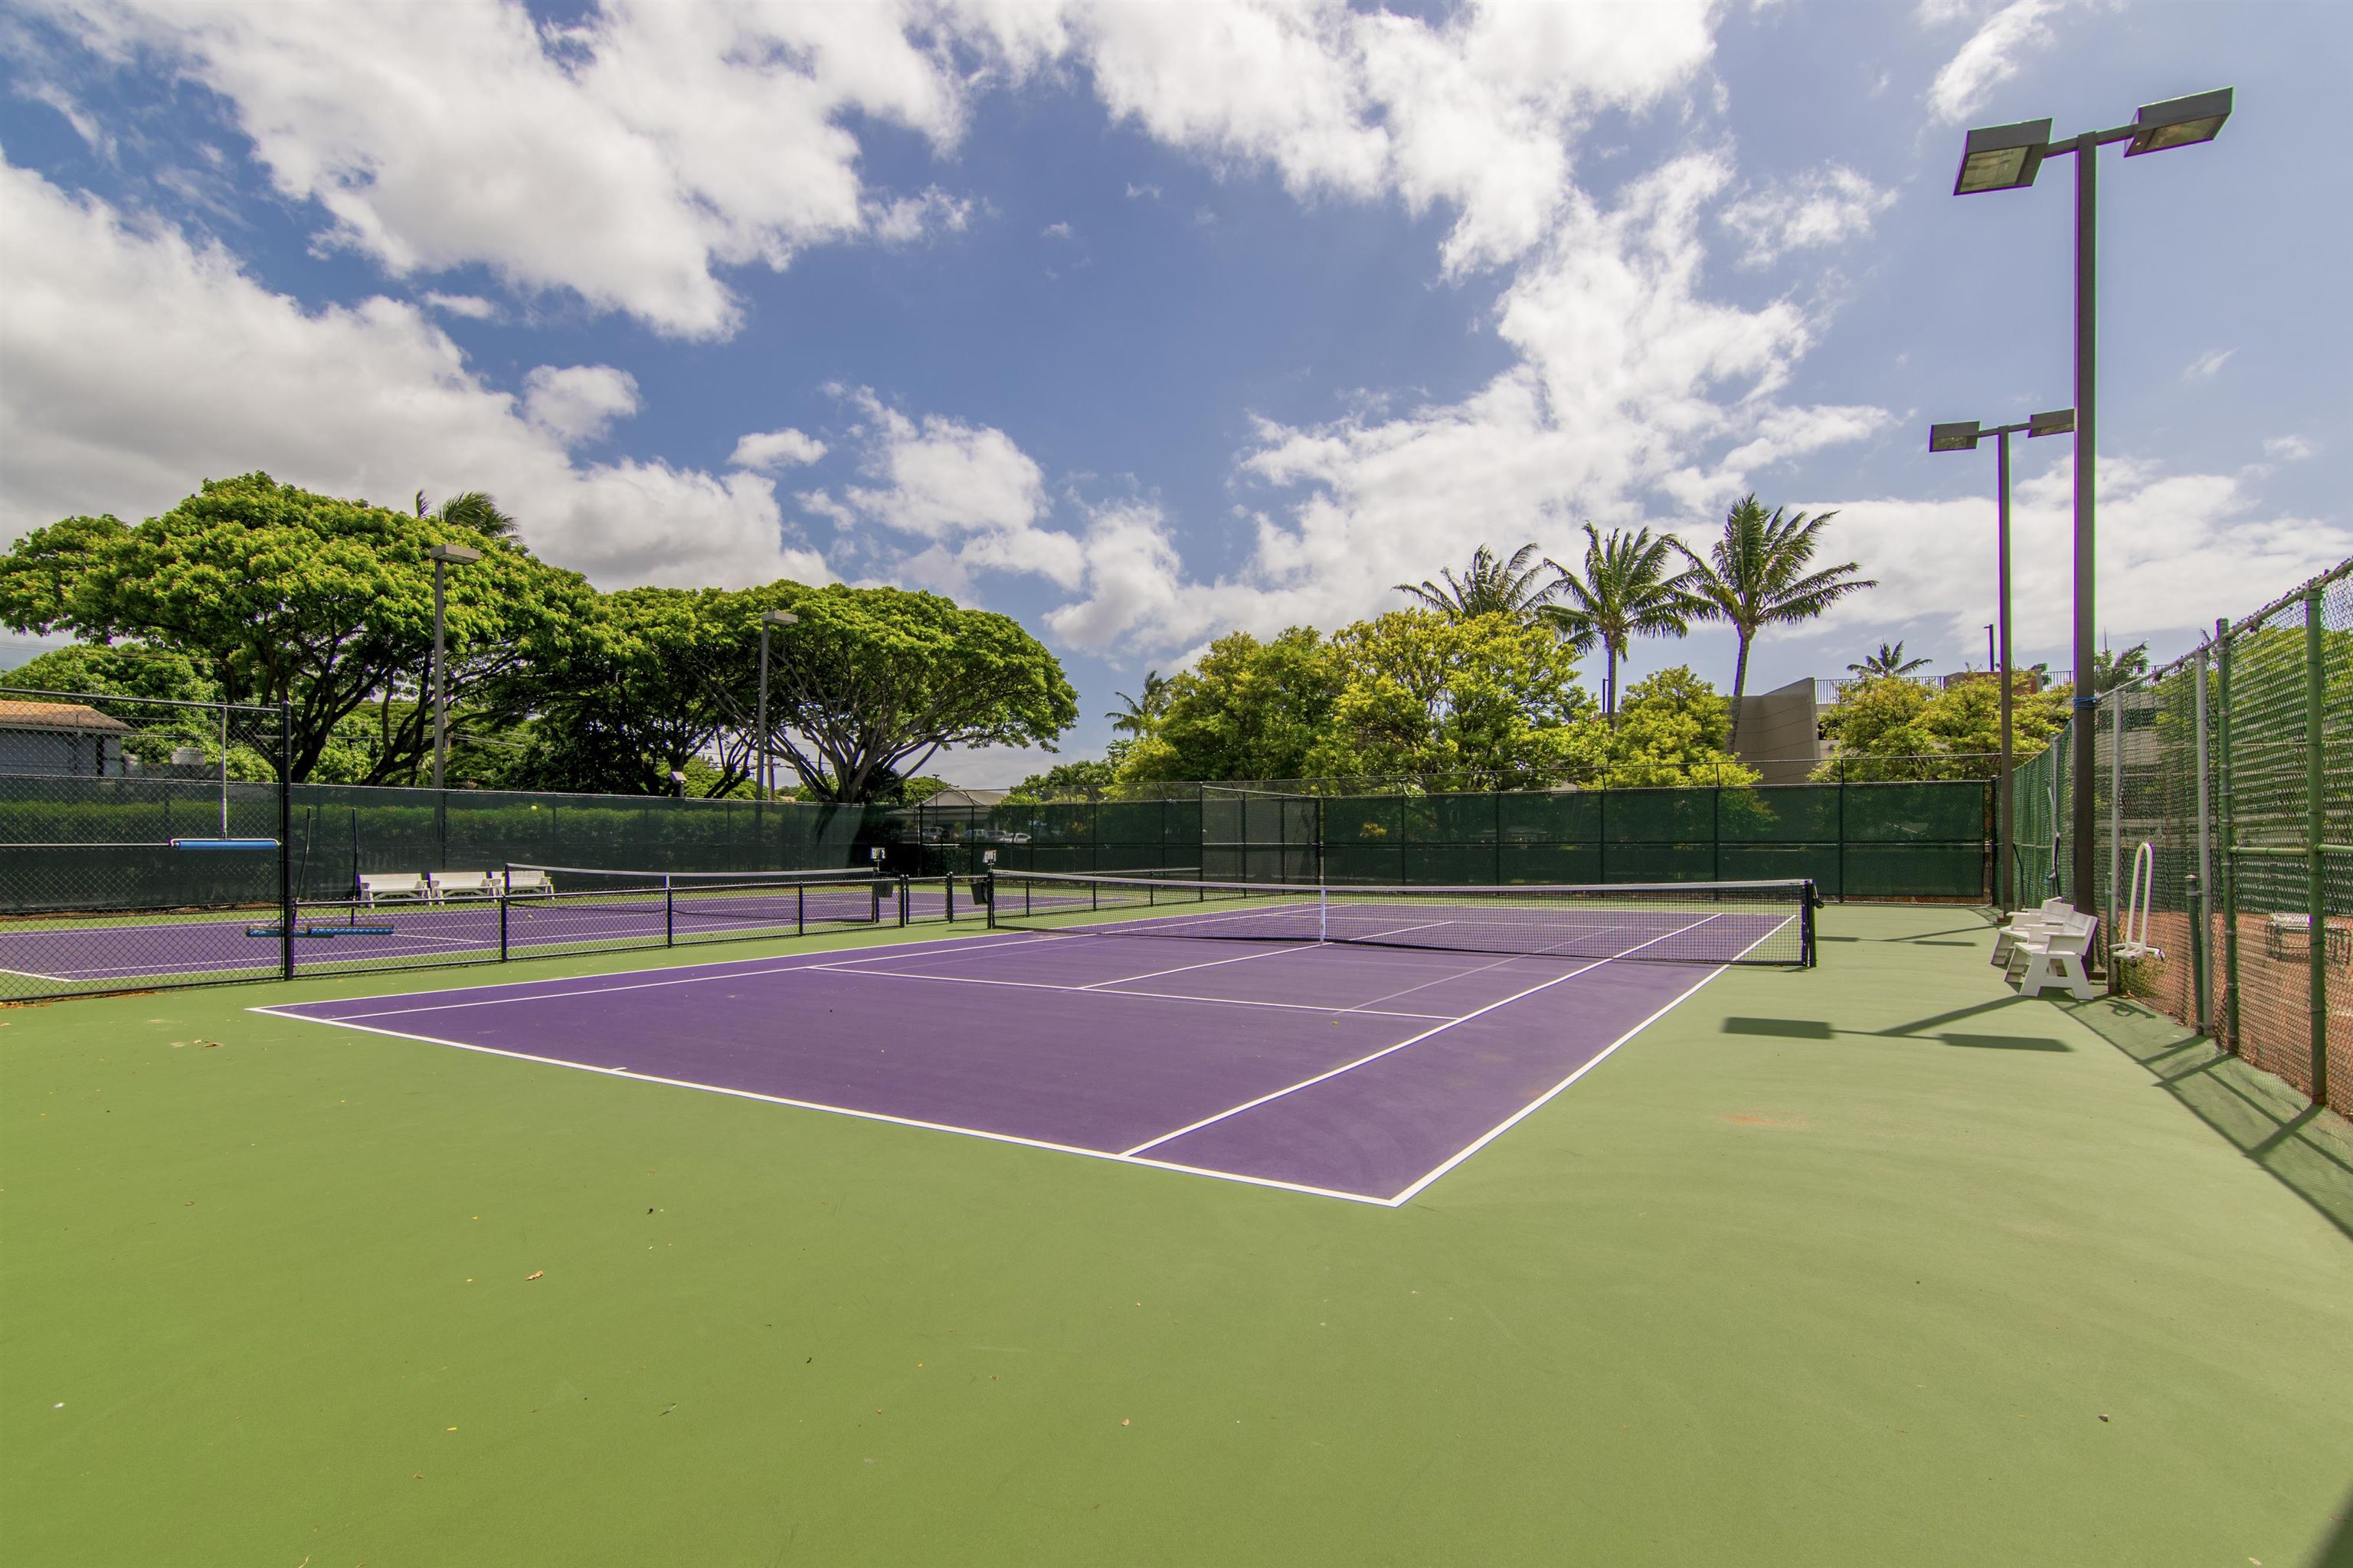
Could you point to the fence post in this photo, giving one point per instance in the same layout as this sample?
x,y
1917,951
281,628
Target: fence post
x,y
1841,788
2316,829
506,894
2227,769
669,914
2107,938
2201,948
286,836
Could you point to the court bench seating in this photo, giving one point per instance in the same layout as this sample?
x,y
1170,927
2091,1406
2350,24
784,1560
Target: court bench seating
x,y
2278,928
441,887
2051,952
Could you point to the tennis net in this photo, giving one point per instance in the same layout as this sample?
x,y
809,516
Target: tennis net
x,y
1682,922
717,902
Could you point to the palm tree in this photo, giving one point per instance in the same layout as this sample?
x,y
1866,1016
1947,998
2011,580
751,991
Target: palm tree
x,y
1135,717
1886,661
1755,576
1628,591
474,510
2110,671
1490,587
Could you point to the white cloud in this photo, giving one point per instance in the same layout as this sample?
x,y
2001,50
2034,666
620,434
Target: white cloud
x,y
626,158
775,450
116,333
1476,112
1990,56
1134,191
2288,448
1829,205
967,495
579,402
910,218
2204,367
1055,231
2174,549
473,307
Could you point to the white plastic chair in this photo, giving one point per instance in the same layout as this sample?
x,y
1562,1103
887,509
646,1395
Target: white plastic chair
x,y
2059,958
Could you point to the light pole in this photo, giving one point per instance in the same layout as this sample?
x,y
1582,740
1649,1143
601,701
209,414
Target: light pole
x,y
1963,437
444,557
773,617
2007,157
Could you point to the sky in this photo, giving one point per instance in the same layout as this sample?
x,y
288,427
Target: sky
x,y
1147,323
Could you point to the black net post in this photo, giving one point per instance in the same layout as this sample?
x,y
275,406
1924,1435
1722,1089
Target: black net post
x,y
800,911
285,838
506,896
669,914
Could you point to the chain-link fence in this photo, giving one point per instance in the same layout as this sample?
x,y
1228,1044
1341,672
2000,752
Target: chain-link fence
x,y
141,841
2223,870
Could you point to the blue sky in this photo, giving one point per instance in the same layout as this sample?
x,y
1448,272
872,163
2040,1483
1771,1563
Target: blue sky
x,y
1143,324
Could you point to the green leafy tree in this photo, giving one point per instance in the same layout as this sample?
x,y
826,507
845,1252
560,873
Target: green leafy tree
x,y
1629,588
1067,781
1248,710
635,696
1484,700
1490,587
1756,575
1671,731
280,595
1887,728
1135,716
1888,661
873,681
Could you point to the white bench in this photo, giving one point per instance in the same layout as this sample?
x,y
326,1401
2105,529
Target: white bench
x,y
2029,923
379,886
448,884
2059,957
524,883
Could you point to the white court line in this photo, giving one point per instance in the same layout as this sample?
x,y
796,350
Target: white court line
x,y
1493,1133
35,974
723,969
1351,1066
842,1110
1153,995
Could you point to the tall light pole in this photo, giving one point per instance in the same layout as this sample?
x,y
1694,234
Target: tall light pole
x,y
773,617
2007,157
444,557
1960,438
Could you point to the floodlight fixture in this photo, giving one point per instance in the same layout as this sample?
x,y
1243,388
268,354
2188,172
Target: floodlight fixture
x,y
780,617
453,555
2057,422
2002,157
2179,122
1959,437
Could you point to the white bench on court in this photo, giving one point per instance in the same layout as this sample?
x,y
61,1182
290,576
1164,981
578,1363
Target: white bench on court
x,y
448,884
2055,958
2029,923
521,882
379,886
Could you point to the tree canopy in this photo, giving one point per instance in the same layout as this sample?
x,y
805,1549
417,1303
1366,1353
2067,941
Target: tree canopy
x,y
1889,729
1672,731
1248,710
1483,698
276,594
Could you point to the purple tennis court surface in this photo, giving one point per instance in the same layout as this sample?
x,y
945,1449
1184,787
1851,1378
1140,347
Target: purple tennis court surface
x,y
393,934
1354,1072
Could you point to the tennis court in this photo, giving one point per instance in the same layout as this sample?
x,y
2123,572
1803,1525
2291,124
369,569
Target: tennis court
x,y
111,952
1359,1044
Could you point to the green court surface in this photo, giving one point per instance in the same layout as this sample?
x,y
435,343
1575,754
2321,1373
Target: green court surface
x,y
1871,1264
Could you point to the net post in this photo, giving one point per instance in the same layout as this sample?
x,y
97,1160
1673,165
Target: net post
x,y
906,896
285,833
1809,899
2315,830
1322,914
801,910
947,895
669,912
2226,821
988,898
506,896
